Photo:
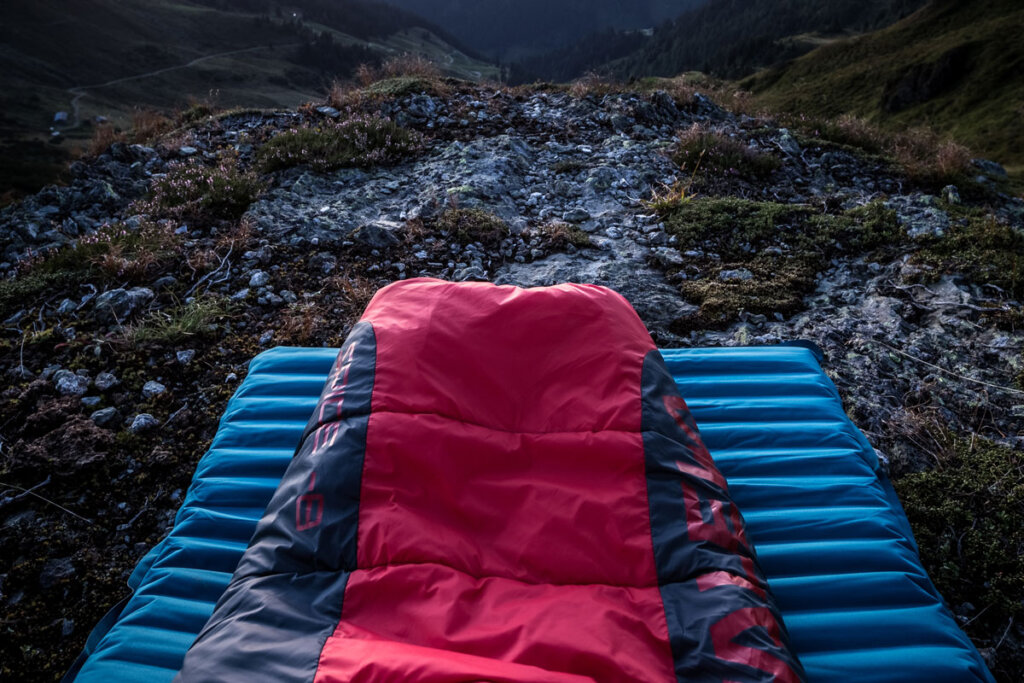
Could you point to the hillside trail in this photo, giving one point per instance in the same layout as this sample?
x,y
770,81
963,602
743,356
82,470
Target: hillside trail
x,y
80,91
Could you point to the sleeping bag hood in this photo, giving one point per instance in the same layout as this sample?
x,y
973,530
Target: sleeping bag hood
x,y
498,484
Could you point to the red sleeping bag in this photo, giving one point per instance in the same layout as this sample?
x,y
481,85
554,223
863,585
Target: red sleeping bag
x,y
498,484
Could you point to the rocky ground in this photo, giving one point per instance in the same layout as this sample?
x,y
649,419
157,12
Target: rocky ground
x,y
131,307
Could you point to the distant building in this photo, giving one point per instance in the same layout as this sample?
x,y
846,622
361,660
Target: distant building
x,y
60,117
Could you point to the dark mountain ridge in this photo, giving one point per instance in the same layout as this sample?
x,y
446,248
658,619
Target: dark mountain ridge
x,y
726,38
508,29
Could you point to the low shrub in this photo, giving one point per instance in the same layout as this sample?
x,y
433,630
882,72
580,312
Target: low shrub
x,y
472,225
705,151
560,235
357,141
195,191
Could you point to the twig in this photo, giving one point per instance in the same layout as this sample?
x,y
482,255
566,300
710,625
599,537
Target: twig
x,y
175,414
950,372
41,484
47,500
212,272
1005,633
971,620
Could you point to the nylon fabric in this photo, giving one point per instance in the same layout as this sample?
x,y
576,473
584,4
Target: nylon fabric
x,y
805,479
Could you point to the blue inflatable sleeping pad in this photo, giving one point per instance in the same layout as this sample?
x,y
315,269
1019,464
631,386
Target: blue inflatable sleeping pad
x,y
828,529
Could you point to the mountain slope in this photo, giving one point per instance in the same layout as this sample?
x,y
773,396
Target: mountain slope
x,y
956,66
727,38
107,57
733,37
509,29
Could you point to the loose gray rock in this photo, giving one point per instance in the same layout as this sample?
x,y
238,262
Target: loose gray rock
x,y
989,168
108,418
259,278
70,384
576,215
378,235
105,381
185,357
55,571
143,422
117,305
152,389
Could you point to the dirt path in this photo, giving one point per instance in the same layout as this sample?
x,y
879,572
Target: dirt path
x,y
79,92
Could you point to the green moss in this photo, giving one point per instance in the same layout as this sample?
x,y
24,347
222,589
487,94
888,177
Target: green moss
x,y
360,141
472,225
980,247
783,246
968,518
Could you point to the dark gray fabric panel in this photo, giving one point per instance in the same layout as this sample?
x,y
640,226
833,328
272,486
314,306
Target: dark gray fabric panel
x,y
286,595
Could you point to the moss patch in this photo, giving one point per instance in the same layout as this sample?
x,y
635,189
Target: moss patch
x,y
980,247
968,518
560,235
762,257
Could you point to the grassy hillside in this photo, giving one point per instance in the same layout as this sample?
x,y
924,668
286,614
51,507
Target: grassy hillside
x,y
956,66
110,57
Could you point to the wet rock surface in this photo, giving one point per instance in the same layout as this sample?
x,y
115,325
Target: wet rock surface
x,y
115,377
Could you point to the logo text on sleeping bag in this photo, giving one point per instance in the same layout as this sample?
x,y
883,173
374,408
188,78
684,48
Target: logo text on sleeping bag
x,y
330,404
725,530
309,507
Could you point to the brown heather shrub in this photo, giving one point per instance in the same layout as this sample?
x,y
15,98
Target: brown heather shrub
x,y
593,83
148,125
303,324
410,65
400,66
925,157
195,191
704,150
103,136
562,234
353,292
356,141
929,160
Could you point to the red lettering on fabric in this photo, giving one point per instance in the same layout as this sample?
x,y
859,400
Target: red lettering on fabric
x,y
725,631
705,467
327,434
309,508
